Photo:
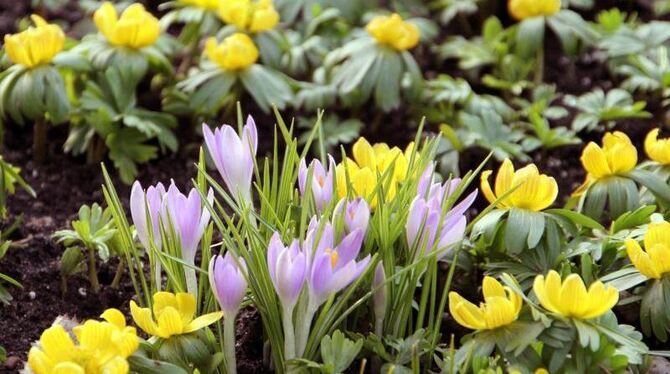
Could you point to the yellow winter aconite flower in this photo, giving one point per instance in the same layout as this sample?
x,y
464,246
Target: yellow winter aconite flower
x,y
394,32
248,15
654,261
102,347
136,28
204,4
236,52
570,297
522,9
657,149
501,307
617,155
35,46
369,161
535,191
174,315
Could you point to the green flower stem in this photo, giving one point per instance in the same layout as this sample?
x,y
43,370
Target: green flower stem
x,y
120,269
289,333
40,140
229,343
93,271
304,328
539,68
191,280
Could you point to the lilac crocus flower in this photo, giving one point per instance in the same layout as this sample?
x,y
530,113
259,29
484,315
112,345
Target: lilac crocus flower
x,y
427,227
228,282
145,208
233,156
187,216
356,213
288,267
322,181
335,267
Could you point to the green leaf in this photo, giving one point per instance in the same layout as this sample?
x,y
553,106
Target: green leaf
x,y
518,227
144,365
339,352
530,36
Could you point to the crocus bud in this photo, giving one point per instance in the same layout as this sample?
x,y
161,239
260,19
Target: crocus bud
x,y
226,277
379,297
288,268
427,227
356,214
322,181
233,156
145,211
188,218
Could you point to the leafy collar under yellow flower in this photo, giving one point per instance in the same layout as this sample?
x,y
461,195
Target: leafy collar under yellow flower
x,y
570,298
102,347
35,46
533,191
394,32
501,307
654,260
174,315
136,28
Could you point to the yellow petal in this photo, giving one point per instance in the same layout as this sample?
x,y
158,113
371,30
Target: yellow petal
x,y
573,297
143,319
39,362
364,154
505,177
595,162
622,158
95,335
117,365
659,256
499,311
492,288
186,306
105,18
601,299
657,233
163,300
115,317
547,290
126,341
68,368
56,342
203,321
169,323
465,313
486,187
640,259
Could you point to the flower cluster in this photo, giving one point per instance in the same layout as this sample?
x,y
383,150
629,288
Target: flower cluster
x,y
100,347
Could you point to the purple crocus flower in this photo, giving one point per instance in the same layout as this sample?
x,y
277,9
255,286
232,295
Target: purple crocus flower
x,y
322,181
144,208
187,216
288,268
335,267
426,223
228,282
233,156
356,213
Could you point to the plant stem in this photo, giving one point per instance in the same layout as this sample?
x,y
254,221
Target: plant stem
x,y
229,343
303,330
92,271
289,333
539,68
120,269
191,280
40,140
